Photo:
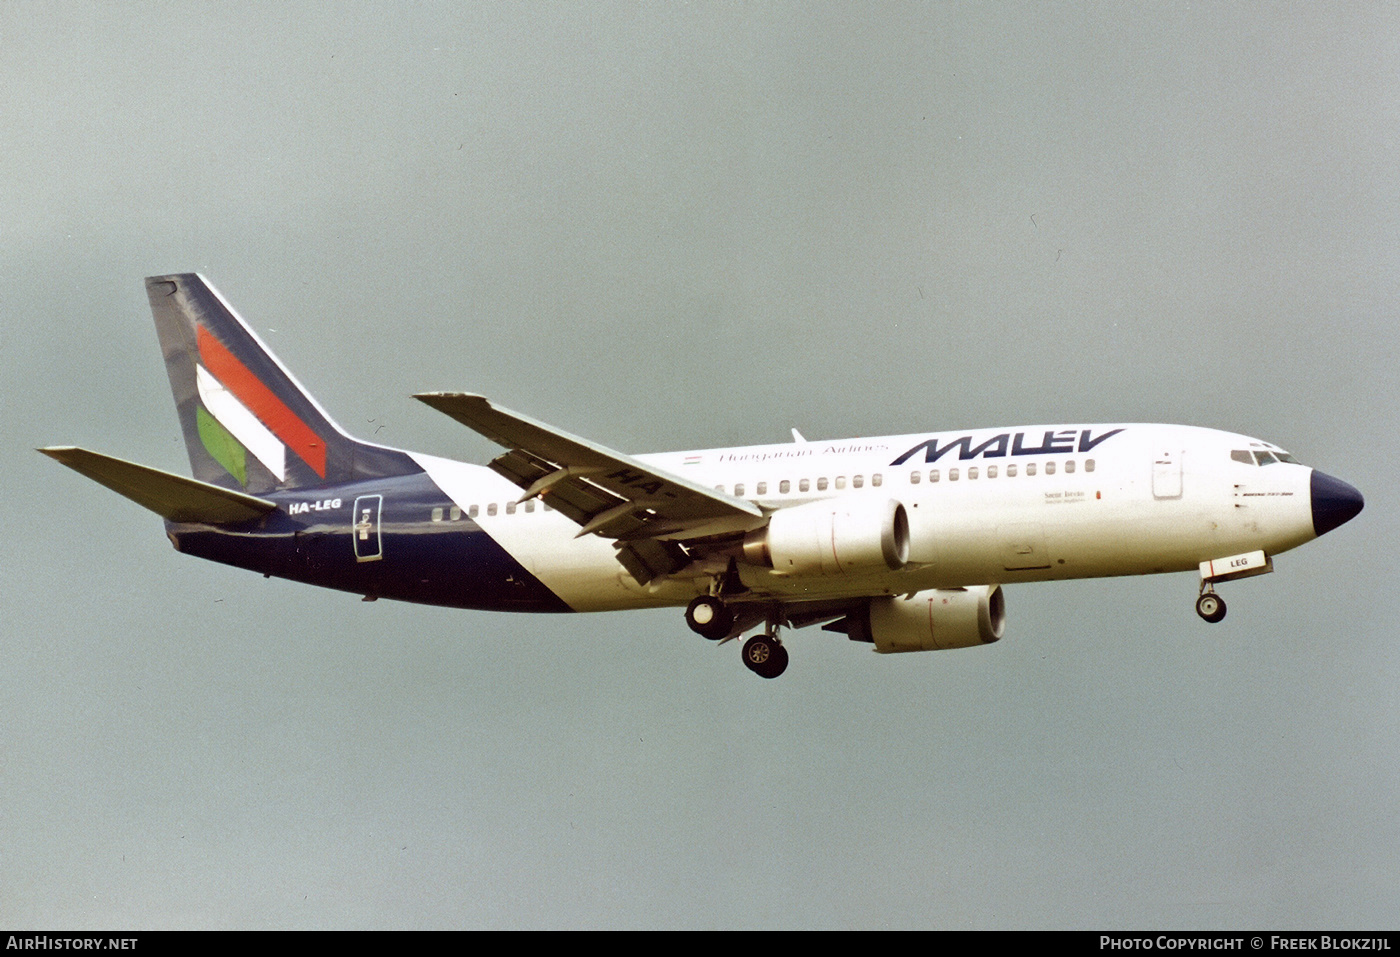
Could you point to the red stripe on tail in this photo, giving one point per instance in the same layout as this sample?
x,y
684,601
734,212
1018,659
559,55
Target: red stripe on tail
x,y
262,401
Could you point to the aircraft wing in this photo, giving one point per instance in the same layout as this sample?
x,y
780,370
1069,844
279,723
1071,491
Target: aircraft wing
x,y
607,493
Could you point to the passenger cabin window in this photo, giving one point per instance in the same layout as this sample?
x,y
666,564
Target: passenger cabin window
x,y
739,490
491,509
1069,466
1030,468
840,481
762,488
474,511
1049,468
821,485
1011,470
455,513
530,505
952,475
857,481
914,477
877,480
803,485
972,473
437,514
1088,465
933,475
991,471
510,508
784,487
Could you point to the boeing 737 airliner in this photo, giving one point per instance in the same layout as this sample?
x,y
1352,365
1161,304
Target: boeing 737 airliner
x,y
902,542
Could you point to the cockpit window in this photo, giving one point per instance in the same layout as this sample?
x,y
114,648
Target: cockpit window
x,y
1262,458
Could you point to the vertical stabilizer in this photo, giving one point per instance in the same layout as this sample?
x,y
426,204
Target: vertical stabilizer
x,y
248,423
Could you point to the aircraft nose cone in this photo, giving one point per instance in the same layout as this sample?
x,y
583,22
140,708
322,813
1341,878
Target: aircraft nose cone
x,y
1334,503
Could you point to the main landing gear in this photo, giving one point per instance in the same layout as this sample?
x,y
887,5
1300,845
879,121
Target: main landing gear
x,y
709,617
763,654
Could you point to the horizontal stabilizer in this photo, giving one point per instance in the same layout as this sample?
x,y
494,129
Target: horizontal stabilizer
x,y
171,496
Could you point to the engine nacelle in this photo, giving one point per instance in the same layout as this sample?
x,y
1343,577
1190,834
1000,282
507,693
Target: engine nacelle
x,y
932,620
849,535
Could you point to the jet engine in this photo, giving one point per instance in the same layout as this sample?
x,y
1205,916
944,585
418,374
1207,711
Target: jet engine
x,y
931,620
841,536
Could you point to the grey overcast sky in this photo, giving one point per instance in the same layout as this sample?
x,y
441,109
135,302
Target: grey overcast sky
x,y
675,226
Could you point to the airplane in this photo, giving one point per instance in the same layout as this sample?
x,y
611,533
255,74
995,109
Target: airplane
x,y
899,542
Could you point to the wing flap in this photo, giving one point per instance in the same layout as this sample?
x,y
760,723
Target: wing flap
x,y
171,496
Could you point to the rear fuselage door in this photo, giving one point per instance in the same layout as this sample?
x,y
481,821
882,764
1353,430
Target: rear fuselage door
x,y
365,531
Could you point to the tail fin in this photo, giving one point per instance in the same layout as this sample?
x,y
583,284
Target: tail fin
x,y
248,423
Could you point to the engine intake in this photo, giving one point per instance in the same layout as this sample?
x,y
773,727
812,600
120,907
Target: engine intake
x,y
841,536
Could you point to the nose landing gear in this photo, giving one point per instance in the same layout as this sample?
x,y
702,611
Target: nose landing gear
x,y
1210,606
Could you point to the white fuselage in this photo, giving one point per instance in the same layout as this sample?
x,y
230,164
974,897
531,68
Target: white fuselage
x,y
989,506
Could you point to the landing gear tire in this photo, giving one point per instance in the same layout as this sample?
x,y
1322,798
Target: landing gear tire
x,y
1211,607
765,656
709,618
